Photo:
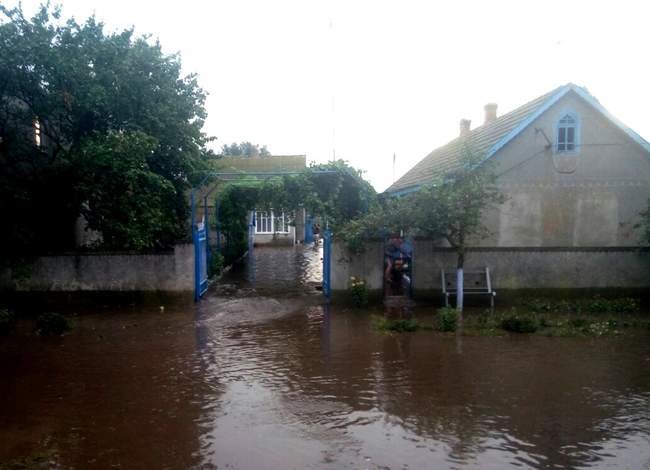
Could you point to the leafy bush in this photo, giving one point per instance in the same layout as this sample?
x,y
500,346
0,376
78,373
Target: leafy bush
x,y
7,322
52,324
359,292
518,323
447,319
215,265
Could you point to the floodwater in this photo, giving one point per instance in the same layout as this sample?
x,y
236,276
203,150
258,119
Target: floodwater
x,y
280,381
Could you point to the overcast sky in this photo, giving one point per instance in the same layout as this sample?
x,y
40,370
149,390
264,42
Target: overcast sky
x,y
369,79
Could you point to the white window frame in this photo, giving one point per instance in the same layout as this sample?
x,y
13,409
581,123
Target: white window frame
x,y
38,133
575,125
267,223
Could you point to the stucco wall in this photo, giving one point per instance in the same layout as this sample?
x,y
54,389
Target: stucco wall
x,y
368,265
588,199
514,268
162,272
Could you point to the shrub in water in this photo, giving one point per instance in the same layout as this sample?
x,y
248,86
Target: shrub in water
x,y
52,324
7,321
519,323
447,319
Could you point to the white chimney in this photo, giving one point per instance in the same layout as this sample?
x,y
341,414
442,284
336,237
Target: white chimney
x,y
464,126
490,112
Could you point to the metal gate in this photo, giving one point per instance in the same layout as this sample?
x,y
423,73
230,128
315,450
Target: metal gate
x,y
200,237
327,263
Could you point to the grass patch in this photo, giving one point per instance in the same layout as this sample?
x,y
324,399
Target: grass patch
x,y
552,323
595,304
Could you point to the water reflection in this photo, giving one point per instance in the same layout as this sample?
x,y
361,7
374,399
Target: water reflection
x,y
255,381
324,380
280,269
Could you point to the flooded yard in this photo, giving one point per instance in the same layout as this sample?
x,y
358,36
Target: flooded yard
x,y
256,380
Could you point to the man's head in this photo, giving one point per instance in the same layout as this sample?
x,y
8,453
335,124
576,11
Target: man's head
x,y
395,239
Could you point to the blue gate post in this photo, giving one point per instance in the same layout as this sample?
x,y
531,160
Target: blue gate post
x,y
327,263
309,229
207,230
218,227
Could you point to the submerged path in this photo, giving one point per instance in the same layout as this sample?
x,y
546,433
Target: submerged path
x,y
267,376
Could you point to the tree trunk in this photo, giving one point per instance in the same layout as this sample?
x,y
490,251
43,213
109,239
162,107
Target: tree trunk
x,y
460,281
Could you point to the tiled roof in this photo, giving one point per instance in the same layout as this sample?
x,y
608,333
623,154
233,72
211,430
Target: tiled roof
x,y
261,164
482,139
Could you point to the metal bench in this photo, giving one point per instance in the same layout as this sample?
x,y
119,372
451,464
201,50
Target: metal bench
x,y
474,283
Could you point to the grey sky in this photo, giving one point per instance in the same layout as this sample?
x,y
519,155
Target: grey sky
x,y
373,78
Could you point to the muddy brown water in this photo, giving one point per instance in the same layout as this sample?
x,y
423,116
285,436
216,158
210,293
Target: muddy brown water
x,y
282,381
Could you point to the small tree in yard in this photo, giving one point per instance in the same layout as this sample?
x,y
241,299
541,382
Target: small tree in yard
x,y
452,207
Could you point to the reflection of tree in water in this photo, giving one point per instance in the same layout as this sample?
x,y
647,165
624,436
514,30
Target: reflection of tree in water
x,y
123,388
530,397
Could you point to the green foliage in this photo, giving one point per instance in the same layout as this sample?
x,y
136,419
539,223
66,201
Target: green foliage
x,y
622,305
7,322
397,325
451,207
89,89
596,304
52,324
386,216
244,149
130,204
216,264
519,323
337,196
359,292
234,204
447,319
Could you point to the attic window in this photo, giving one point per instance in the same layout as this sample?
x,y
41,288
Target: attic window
x,y
37,133
567,134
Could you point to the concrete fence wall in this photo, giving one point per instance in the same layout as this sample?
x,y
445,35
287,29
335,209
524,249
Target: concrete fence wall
x,y
510,268
161,272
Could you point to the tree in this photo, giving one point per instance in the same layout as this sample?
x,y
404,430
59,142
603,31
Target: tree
x,y
82,91
452,206
244,149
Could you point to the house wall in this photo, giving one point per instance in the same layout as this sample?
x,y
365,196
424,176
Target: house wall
x,y
590,199
160,272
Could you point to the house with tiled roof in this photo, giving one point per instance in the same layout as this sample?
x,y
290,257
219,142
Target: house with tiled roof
x,y
271,227
575,180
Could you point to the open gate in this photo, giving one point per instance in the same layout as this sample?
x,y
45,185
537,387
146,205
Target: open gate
x,y
327,263
200,236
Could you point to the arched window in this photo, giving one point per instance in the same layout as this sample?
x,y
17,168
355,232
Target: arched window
x,y
567,133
